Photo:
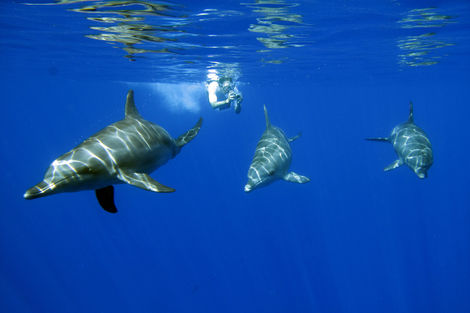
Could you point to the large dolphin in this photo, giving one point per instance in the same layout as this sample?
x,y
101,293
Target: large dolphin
x,y
123,152
411,145
272,159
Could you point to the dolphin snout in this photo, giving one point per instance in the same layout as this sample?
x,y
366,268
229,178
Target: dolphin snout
x,y
32,193
422,175
40,190
247,188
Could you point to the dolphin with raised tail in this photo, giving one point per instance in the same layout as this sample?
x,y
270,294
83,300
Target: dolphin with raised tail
x,y
412,146
123,152
272,159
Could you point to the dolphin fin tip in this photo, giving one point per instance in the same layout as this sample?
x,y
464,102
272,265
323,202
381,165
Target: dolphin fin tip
x,y
131,109
296,178
266,117
105,198
295,137
395,164
383,139
189,135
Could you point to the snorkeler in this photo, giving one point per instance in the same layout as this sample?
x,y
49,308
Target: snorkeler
x,y
224,88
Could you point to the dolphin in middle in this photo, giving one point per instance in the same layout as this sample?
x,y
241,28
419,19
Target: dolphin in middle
x,y
412,146
123,152
272,159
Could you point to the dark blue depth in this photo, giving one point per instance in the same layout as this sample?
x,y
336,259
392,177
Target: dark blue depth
x,y
353,239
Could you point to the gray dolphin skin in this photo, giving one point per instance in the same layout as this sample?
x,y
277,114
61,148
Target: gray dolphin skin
x,y
123,152
412,146
272,159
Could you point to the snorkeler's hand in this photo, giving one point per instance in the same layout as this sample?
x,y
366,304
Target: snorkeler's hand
x,y
232,95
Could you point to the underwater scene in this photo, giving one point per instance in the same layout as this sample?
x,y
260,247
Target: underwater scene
x,y
258,156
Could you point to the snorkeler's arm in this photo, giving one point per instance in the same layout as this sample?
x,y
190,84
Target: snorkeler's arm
x,y
218,104
212,90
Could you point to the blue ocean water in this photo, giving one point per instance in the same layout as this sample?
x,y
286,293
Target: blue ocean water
x,y
353,239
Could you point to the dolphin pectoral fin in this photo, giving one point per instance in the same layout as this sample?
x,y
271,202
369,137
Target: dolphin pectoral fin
x,y
394,165
296,178
105,198
143,181
295,137
384,139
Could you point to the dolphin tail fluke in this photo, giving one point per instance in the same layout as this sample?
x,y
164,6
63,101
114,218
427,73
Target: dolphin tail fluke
x,y
410,117
383,139
394,165
105,198
295,137
296,178
268,123
189,135
143,181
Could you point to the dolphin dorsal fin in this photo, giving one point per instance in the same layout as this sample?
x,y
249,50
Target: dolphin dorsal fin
x,y
131,110
410,117
268,123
